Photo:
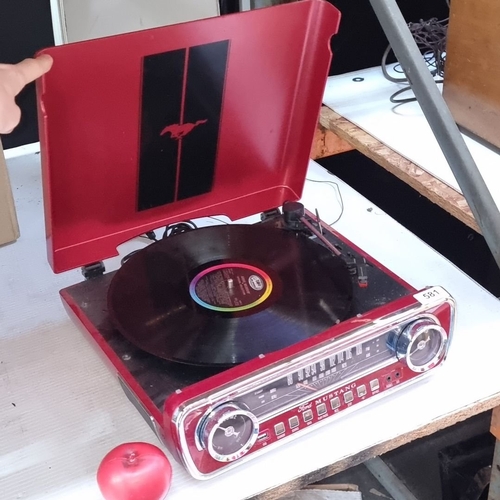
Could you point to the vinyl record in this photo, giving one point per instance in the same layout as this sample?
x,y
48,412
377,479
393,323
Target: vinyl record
x,y
222,295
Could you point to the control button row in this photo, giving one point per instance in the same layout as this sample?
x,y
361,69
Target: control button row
x,y
294,421
349,396
321,409
279,428
307,415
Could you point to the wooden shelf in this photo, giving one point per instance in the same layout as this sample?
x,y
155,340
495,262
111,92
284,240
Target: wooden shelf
x,y
410,173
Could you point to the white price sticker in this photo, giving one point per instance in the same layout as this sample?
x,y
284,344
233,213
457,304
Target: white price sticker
x,y
431,294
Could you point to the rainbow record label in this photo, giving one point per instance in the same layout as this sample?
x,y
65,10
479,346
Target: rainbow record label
x,y
231,287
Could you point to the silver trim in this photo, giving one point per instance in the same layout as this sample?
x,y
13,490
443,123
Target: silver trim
x,y
358,334
207,427
410,335
343,382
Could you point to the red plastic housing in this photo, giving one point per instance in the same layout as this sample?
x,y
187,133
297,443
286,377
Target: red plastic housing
x,y
246,130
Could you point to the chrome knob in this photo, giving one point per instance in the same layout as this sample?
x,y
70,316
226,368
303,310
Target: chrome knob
x,y
421,344
228,432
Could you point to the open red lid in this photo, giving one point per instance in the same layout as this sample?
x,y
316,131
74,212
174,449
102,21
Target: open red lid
x,y
211,117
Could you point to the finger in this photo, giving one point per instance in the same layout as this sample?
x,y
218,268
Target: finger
x,y
10,116
31,69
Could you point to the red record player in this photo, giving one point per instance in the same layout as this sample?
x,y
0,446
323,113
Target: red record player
x,y
233,338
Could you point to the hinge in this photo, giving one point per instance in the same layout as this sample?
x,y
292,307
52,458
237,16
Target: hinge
x,y
93,270
270,214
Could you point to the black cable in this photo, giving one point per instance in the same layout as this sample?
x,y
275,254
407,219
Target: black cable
x,y
179,228
127,257
384,68
430,37
150,235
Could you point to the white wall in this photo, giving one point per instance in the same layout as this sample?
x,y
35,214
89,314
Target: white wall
x,y
76,20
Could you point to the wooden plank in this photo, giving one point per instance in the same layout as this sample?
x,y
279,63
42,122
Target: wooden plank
x,y
332,487
420,180
326,143
494,492
380,449
494,487
495,423
472,84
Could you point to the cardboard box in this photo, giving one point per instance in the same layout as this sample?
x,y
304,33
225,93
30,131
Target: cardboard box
x,y
9,229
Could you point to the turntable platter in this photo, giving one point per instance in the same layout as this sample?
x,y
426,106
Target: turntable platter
x,y
221,295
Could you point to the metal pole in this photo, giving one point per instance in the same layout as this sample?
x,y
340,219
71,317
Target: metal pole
x,y
388,479
441,121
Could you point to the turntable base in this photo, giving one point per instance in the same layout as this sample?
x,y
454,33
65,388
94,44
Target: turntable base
x,y
233,339
158,377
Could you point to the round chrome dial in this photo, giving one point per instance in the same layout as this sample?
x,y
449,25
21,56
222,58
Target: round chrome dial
x,y
228,432
421,344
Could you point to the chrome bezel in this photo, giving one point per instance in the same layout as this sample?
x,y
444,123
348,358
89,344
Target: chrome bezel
x,y
214,419
409,336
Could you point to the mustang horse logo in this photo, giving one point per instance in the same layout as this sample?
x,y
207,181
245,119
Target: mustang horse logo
x,y
178,131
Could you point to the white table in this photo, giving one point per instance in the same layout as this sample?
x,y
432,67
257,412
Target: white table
x,y
398,138
61,410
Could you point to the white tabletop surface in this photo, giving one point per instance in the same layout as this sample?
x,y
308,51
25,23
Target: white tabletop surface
x,y
61,410
402,127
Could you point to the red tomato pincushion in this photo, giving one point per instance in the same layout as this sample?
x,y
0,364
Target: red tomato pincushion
x,y
134,471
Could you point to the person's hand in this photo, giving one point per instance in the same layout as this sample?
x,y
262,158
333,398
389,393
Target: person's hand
x,y
13,78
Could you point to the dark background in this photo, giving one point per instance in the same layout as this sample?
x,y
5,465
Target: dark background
x,y
361,41
26,27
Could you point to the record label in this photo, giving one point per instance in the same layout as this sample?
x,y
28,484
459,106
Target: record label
x,y
231,287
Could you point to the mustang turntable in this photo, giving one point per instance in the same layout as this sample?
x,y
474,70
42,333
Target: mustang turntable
x,y
322,348
229,339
